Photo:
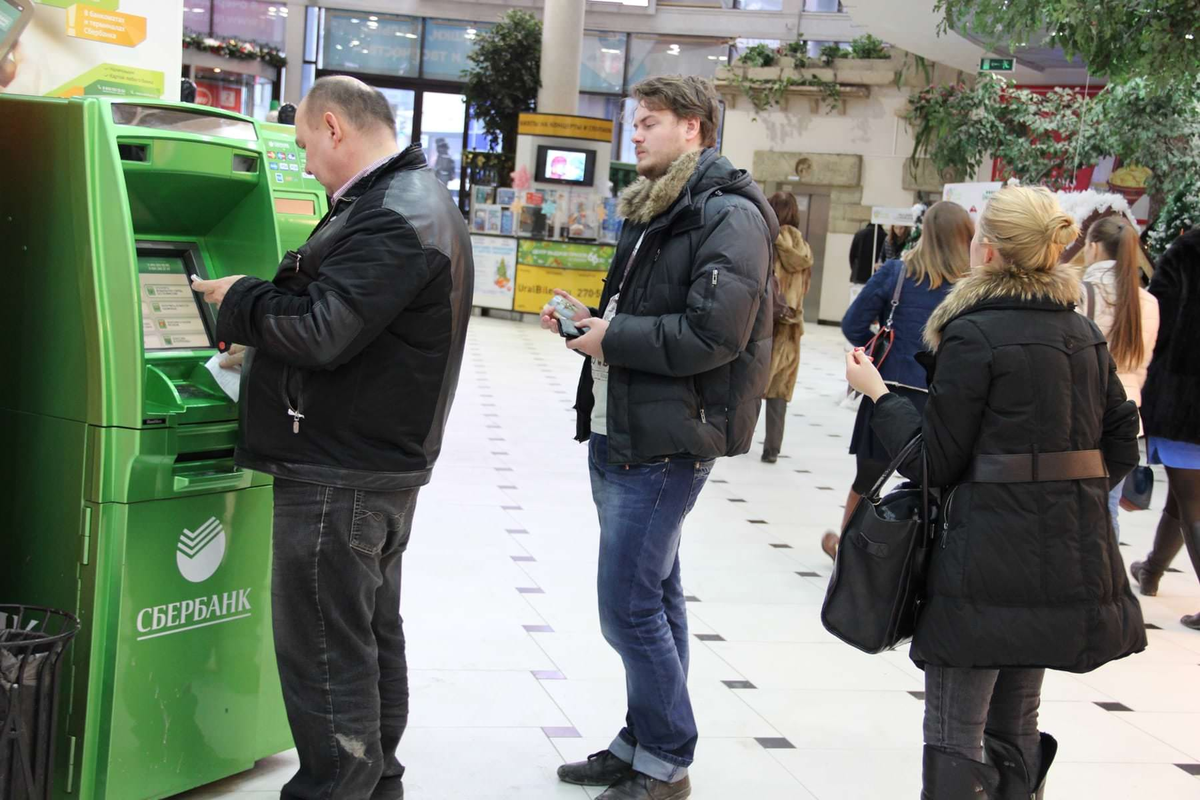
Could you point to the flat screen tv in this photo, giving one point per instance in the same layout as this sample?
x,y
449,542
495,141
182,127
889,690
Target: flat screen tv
x,y
573,166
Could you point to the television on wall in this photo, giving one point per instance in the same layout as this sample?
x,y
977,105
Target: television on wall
x,y
569,165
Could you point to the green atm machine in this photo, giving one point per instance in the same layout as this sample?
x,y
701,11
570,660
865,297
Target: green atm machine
x,y
122,502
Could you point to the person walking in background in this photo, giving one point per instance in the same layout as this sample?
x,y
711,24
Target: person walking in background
x,y
1026,431
792,265
1169,413
925,275
1126,314
866,251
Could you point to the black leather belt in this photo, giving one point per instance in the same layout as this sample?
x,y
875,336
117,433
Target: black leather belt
x,y
1074,465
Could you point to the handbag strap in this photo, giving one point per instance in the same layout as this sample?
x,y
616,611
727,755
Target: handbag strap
x,y
896,295
1090,288
901,457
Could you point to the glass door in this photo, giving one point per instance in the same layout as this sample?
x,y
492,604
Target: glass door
x,y
403,103
443,123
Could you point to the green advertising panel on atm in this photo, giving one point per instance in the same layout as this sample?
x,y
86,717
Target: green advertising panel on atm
x,y
123,503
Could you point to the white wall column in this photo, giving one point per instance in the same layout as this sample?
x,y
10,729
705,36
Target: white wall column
x,y
562,43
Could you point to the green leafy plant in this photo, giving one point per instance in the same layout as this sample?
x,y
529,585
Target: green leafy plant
x,y
797,51
868,46
503,78
1179,214
833,51
1120,38
764,95
759,55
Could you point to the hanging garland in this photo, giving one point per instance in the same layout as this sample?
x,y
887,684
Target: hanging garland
x,y
234,48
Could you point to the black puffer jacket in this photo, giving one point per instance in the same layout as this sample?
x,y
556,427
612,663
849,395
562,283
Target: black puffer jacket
x,y
1026,574
689,351
1173,381
361,332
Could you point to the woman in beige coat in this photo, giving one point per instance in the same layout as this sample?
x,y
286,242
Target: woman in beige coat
x,y
793,271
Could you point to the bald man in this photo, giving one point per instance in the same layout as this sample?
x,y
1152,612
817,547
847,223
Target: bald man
x,y
351,362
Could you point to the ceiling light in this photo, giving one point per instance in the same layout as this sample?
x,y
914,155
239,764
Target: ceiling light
x,y
472,31
366,51
410,35
270,9
216,69
338,46
354,21
197,10
610,50
373,19
355,43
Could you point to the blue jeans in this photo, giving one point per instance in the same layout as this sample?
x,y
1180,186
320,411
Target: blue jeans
x,y
1114,507
642,610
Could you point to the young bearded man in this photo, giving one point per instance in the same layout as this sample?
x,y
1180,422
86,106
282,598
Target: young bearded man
x,y
678,357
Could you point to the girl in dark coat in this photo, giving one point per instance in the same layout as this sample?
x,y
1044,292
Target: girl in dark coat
x,y
1172,424
1026,429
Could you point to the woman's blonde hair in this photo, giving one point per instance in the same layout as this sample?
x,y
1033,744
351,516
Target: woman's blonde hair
x,y
1027,228
943,253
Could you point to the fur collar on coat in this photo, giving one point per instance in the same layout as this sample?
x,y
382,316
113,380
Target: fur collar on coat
x,y
992,282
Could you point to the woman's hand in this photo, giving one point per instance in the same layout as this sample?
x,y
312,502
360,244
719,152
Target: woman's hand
x,y
862,375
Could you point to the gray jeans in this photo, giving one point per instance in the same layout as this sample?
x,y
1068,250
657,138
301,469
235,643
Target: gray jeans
x,y
962,704
335,592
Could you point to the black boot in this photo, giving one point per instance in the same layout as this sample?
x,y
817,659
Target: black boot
x,y
1015,780
947,776
1168,540
600,769
1192,537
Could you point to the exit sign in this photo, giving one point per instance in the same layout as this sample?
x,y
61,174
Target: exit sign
x,y
996,65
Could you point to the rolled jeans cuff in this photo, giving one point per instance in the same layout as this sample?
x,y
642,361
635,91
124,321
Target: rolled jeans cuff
x,y
659,766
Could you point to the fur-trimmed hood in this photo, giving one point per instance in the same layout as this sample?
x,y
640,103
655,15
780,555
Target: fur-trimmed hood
x,y
645,199
692,178
1059,285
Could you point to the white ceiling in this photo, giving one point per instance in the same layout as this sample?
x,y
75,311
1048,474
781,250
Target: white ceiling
x,y
911,25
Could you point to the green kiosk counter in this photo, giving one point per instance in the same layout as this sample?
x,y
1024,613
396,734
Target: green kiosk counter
x,y
123,504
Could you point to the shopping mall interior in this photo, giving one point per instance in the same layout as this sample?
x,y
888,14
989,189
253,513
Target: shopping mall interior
x,y
155,143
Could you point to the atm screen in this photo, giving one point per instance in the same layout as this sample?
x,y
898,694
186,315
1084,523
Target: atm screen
x,y
171,312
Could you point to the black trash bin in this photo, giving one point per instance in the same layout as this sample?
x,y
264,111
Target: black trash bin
x,y
32,642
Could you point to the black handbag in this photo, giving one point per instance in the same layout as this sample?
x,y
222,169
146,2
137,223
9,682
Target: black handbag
x,y
878,578
1138,489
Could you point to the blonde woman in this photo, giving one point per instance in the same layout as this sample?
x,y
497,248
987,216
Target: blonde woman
x,y
940,257
1026,431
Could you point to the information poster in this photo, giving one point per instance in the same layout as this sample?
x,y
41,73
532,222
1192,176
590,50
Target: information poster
x,y
495,271
114,48
544,266
971,196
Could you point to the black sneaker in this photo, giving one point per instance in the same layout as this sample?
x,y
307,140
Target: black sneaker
x,y
600,769
642,787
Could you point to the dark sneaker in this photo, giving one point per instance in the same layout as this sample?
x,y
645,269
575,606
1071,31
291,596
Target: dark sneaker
x,y
769,458
642,787
600,769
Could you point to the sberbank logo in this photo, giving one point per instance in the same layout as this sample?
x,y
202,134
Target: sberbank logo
x,y
200,553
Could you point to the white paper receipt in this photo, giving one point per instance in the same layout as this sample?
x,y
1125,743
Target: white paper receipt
x,y
230,380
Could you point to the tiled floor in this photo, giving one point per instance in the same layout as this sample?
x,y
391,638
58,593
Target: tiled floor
x,y
510,675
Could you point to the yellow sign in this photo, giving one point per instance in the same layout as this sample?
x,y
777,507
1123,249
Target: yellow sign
x,y
535,286
101,25
566,126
